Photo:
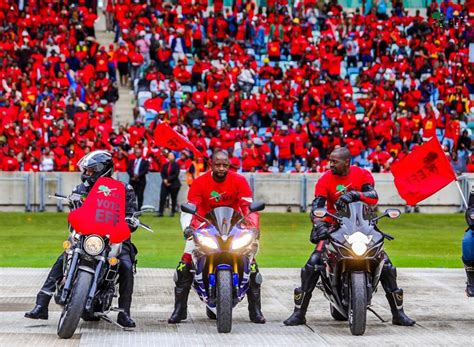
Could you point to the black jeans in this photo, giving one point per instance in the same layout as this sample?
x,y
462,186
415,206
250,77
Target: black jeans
x,y
139,188
165,191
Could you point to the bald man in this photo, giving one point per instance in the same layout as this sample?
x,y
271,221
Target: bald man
x,y
341,185
217,187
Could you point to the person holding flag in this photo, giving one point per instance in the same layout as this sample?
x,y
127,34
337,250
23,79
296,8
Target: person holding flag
x,y
342,184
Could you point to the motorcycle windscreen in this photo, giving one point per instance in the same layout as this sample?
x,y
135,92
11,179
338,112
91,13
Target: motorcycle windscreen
x,y
103,211
356,213
224,218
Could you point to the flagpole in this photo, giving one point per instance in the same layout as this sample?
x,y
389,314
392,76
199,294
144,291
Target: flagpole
x,y
462,195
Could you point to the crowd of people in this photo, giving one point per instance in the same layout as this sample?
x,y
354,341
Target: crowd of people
x,y
56,95
277,87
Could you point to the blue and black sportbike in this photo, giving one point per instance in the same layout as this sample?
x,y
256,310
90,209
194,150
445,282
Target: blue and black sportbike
x,y
226,245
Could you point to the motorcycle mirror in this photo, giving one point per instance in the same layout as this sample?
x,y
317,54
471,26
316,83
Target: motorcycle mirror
x,y
257,206
320,212
392,213
189,208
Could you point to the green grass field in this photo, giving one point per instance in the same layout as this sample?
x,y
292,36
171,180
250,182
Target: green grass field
x,y
35,240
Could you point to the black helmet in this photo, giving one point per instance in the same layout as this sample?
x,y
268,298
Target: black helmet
x,y
100,161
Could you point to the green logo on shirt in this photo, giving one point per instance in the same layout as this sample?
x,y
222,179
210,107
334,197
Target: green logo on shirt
x,y
216,196
342,189
106,190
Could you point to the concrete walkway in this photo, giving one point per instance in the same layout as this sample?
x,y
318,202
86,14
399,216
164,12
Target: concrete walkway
x,y
435,298
126,103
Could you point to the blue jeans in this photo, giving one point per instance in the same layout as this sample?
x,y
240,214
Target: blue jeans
x,y
468,247
284,162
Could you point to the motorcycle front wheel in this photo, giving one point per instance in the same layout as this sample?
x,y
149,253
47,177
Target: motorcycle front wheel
x,y
224,301
358,303
72,311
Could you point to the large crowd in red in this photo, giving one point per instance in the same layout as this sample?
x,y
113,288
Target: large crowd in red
x,y
278,87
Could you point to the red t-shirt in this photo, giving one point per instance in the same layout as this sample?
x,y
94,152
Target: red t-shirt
x,y
284,146
207,194
332,187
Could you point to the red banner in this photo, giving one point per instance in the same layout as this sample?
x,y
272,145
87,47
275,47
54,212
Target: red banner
x,y
165,136
103,211
423,172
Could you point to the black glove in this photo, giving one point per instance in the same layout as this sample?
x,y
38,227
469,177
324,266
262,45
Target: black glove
x,y
319,232
133,223
347,199
188,232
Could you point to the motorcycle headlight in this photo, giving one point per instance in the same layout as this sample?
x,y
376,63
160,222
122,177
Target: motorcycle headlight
x,y
358,242
359,248
242,241
94,245
207,241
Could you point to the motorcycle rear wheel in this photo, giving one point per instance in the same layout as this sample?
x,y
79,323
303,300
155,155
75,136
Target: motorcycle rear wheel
x,y
224,301
358,303
73,310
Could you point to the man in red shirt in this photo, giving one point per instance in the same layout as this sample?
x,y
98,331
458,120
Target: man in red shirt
x,y
284,143
380,159
342,185
217,187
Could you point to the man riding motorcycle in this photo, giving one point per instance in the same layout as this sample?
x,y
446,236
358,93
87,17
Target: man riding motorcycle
x,y
468,246
94,165
218,187
338,187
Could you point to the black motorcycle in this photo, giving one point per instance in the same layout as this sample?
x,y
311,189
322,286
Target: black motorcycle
x,y
90,277
353,262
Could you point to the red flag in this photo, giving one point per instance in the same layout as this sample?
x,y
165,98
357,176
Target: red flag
x,y
165,136
423,172
154,104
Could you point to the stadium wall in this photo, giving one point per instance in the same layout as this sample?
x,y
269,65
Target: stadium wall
x,y
22,191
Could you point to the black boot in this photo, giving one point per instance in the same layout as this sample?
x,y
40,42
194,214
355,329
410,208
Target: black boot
x,y
180,305
395,300
303,294
254,298
40,311
184,279
388,279
124,320
298,316
470,279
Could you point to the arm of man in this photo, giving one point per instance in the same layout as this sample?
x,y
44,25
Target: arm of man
x,y
195,196
320,226
130,168
244,196
367,193
131,205
164,172
145,165
174,173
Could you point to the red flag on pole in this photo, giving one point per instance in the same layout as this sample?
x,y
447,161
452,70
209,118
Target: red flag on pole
x,y
423,172
165,136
